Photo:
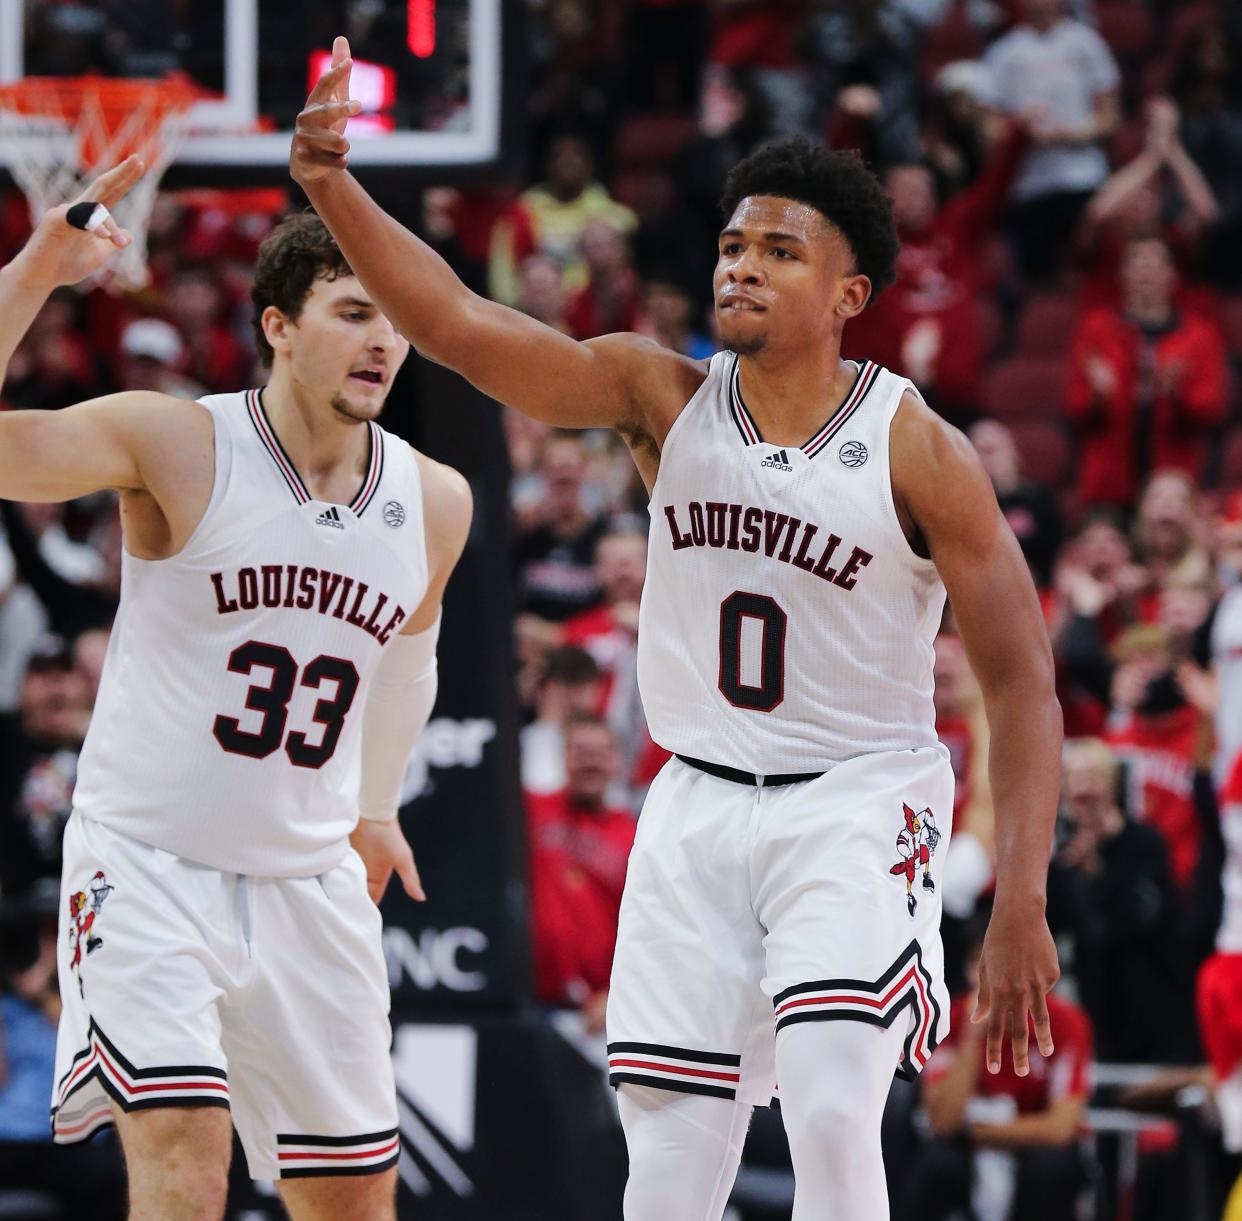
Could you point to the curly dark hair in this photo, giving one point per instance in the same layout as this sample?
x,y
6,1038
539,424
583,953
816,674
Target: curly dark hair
x,y
299,251
837,184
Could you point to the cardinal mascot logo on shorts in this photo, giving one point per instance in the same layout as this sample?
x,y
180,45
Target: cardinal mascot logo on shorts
x,y
916,845
84,907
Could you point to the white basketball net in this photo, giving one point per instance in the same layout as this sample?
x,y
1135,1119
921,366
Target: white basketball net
x,y
45,153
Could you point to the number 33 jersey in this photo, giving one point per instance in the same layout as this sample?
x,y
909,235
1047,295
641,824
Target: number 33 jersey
x,y
228,725
786,623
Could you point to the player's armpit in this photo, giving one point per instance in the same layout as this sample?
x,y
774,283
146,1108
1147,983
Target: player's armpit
x,y
103,443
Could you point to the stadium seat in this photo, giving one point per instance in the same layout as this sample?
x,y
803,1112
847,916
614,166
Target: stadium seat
x,y
1231,460
1025,388
989,326
1126,26
1231,324
952,38
1046,324
1045,452
652,141
650,193
1186,18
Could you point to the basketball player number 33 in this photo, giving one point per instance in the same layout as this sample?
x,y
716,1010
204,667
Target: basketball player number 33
x,y
272,700
768,622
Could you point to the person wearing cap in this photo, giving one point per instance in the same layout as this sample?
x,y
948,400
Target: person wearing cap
x,y
151,350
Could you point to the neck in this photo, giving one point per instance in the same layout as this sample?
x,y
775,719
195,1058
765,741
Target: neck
x,y
1150,313
329,451
791,397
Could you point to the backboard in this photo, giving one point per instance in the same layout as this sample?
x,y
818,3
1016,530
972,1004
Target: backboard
x,y
429,72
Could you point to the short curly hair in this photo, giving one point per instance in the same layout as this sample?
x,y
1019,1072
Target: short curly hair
x,y
836,184
299,251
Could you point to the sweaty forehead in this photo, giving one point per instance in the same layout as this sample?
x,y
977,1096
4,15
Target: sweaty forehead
x,y
777,214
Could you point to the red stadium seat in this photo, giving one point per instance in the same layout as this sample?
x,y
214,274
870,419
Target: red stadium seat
x,y
989,326
1231,323
652,141
1231,460
1045,453
1186,19
952,38
1025,388
1126,26
651,194
1046,325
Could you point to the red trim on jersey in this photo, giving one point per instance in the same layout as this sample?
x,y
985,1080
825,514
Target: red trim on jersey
x,y
375,470
867,376
258,417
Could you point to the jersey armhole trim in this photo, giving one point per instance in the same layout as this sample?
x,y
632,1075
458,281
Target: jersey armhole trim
x,y
923,562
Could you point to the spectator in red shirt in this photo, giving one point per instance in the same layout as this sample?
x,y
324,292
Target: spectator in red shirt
x,y
611,299
1161,737
923,326
1004,1146
1133,203
1146,383
579,848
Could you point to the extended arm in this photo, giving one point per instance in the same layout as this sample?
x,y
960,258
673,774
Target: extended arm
x,y
939,480
508,356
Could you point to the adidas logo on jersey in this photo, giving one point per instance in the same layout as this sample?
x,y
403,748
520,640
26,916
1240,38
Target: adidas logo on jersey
x,y
330,517
778,461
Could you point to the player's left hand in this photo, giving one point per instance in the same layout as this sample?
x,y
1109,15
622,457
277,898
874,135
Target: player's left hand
x,y
58,253
1017,970
383,849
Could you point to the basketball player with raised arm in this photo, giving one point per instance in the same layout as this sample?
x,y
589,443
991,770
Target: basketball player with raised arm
x,y
271,664
781,916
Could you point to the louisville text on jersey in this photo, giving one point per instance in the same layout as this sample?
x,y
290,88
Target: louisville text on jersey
x,y
790,540
293,586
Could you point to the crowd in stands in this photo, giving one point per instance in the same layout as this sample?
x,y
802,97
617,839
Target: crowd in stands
x,y
1065,182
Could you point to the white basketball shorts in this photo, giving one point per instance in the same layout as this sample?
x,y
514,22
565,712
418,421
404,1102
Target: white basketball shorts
x,y
748,909
186,986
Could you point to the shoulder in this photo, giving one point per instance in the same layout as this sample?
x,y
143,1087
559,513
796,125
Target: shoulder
x,y
920,440
448,503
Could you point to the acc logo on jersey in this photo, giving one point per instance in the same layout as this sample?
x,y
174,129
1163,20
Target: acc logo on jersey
x,y
853,453
394,513
916,844
84,908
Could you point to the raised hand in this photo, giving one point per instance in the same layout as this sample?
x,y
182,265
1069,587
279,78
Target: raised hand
x,y
58,253
319,144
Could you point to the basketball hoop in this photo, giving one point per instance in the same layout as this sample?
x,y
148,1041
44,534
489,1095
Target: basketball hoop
x,y
58,132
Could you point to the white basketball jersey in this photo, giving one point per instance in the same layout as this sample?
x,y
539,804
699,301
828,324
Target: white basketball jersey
x,y
786,622
228,724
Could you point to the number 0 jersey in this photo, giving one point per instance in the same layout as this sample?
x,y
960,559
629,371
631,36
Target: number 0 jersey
x,y
786,623
228,725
